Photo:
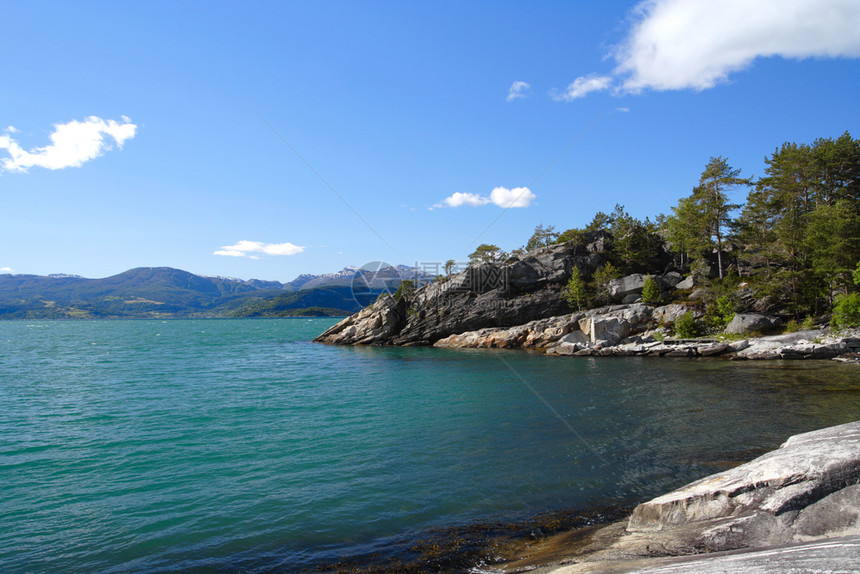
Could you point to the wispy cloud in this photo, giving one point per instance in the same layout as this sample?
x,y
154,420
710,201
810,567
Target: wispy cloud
x,y
582,86
72,144
6,270
698,44
251,249
518,90
500,196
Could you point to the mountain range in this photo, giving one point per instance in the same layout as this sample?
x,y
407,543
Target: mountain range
x,y
164,292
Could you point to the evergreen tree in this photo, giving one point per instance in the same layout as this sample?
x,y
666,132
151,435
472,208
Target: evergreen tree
x,y
712,202
542,237
575,291
651,292
487,253
635,245
600,221
833,246
686,231
606,273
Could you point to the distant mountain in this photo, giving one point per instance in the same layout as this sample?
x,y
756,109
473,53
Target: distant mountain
x,y
376,274
160,292
308,281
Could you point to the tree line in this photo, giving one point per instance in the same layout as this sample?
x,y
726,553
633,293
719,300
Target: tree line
x,y
795,241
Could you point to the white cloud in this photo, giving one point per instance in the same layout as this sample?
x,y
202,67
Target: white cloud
x,y
71,145
251,248
516,197
695,44
6,270
582,86
458,199
501,196
518,90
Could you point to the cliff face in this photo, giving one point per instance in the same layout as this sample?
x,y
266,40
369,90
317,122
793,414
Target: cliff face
x,y
523,288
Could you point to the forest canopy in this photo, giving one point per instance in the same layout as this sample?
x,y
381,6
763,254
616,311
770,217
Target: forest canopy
x,y
795,241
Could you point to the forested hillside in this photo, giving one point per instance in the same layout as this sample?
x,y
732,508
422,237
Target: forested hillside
x,y
794,243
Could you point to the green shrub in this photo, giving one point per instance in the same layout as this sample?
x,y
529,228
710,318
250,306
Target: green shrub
x,y
846,312
719,314
405,291
651,292
687,327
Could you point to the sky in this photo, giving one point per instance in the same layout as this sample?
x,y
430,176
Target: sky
x,y
269,139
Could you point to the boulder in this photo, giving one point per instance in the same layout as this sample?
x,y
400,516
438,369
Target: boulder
x,y
618,289
750,322
687,283
670,280
575,338
667,314
606,331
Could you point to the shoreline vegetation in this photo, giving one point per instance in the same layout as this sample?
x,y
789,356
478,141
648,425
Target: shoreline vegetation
x,y
787,260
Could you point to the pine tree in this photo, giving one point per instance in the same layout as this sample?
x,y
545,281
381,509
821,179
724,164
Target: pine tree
x,y
576,291
542,237
606,273
651,292
486,253
713,202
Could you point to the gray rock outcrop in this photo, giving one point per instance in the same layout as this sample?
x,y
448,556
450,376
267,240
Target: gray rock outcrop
x,y
625,286
750,323
787,495
524,288
806,490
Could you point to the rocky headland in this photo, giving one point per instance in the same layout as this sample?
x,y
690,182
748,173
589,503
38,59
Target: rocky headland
x,y
519,303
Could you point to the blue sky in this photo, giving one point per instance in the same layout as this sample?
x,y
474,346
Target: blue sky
x,y
268,139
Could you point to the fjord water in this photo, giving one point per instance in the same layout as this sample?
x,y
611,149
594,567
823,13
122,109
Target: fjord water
x,y
239,445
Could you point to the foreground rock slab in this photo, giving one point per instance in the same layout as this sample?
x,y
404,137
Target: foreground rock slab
x,y
838,555
806,491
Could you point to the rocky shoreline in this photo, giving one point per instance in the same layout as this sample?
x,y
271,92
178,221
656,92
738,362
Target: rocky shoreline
x,y
519,303
775,510
633,330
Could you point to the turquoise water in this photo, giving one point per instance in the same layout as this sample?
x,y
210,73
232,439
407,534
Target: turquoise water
x,y
239,446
